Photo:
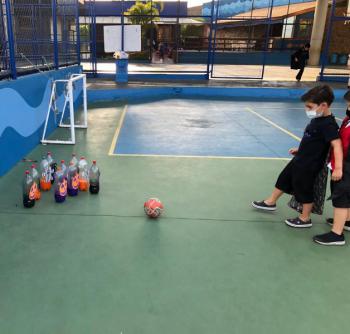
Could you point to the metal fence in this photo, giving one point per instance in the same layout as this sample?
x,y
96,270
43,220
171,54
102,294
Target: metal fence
x,y
4,51
335,58
46,34
38,35
223,32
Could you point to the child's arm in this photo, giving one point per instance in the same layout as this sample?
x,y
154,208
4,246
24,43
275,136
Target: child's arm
x,y
338,156
293,150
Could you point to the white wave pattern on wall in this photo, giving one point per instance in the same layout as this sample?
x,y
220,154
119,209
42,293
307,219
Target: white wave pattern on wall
x,y
19,115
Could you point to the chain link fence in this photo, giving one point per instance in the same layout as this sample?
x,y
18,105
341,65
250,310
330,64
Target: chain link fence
x,y
4,51
38,35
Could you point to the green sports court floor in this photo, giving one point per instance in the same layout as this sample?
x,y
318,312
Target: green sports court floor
x,y
211,264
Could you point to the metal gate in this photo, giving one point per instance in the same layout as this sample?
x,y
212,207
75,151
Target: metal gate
x,y
335,58
237,52
208,44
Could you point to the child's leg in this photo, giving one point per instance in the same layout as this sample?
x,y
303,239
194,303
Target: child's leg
x,y
305,215
340,215
348,218
273,198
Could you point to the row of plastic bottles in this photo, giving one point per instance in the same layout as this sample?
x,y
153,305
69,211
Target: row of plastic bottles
x,y
69,180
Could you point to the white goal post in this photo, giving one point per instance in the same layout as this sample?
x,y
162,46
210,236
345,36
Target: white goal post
x,y
68,101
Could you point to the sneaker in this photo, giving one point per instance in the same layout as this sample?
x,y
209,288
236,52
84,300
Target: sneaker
x,y
346,226
263,206
329,239
298,223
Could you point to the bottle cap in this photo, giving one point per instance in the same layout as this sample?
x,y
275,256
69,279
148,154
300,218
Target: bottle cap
x,y
73,154
33,166
62,161
27,172
94,162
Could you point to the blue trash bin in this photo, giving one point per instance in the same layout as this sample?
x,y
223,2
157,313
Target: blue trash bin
x,y
121,70
334,58
343,59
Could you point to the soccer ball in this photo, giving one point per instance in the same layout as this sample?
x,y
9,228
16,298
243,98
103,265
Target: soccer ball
x,y
153,207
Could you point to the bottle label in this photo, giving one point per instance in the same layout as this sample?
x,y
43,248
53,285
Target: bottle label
x,y
75,181
33,191
46,174
63,188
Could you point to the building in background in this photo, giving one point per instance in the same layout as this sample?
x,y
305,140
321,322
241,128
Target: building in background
x,y
242,26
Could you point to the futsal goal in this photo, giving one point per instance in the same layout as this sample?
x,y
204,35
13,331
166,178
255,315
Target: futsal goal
x,y
67,112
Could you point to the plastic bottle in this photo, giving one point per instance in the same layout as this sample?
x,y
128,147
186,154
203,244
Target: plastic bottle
x,y
61,186
94,176
45,178
83,168
64,169
73,181
74,161
29,190
53,166
36,179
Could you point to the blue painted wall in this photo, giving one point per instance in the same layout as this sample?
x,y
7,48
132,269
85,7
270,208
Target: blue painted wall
x,y
23,108
134,94
233,7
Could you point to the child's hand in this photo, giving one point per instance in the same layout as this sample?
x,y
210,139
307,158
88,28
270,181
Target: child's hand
x,y
337,174
293,151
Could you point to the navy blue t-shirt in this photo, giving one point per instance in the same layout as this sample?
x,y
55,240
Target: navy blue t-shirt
x,y
315,144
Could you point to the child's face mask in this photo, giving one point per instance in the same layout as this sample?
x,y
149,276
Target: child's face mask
x,y
313,113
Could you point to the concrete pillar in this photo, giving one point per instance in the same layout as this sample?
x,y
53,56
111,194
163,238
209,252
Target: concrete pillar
x,y
318,30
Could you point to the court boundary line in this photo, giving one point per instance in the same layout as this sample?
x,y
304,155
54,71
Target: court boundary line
x,y
114,142
275,108
273,124
164,217
196,156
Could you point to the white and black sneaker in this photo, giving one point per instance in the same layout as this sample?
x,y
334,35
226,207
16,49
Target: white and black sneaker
x,y
346,226
261,205
298,223
330,239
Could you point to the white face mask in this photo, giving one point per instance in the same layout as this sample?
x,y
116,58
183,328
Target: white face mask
x,y
313,113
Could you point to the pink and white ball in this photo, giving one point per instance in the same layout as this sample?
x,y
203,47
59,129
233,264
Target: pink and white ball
x,y
153,207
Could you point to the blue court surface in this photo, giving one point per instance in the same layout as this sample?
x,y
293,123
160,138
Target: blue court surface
x,y
219,128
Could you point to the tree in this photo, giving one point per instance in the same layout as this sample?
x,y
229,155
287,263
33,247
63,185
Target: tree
x,y
141,13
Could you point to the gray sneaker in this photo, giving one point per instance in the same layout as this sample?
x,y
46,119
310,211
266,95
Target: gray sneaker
x,y
298,223
261,205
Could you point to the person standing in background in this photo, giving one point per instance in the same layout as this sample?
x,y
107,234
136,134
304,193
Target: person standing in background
x,y
299,59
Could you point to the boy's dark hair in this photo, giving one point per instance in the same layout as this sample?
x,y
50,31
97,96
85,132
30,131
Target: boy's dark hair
x,y
319,94
307,45
347,96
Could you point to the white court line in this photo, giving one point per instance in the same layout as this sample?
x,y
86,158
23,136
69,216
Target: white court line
x,y
274,124
117,131
120,124
276,108
196,157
